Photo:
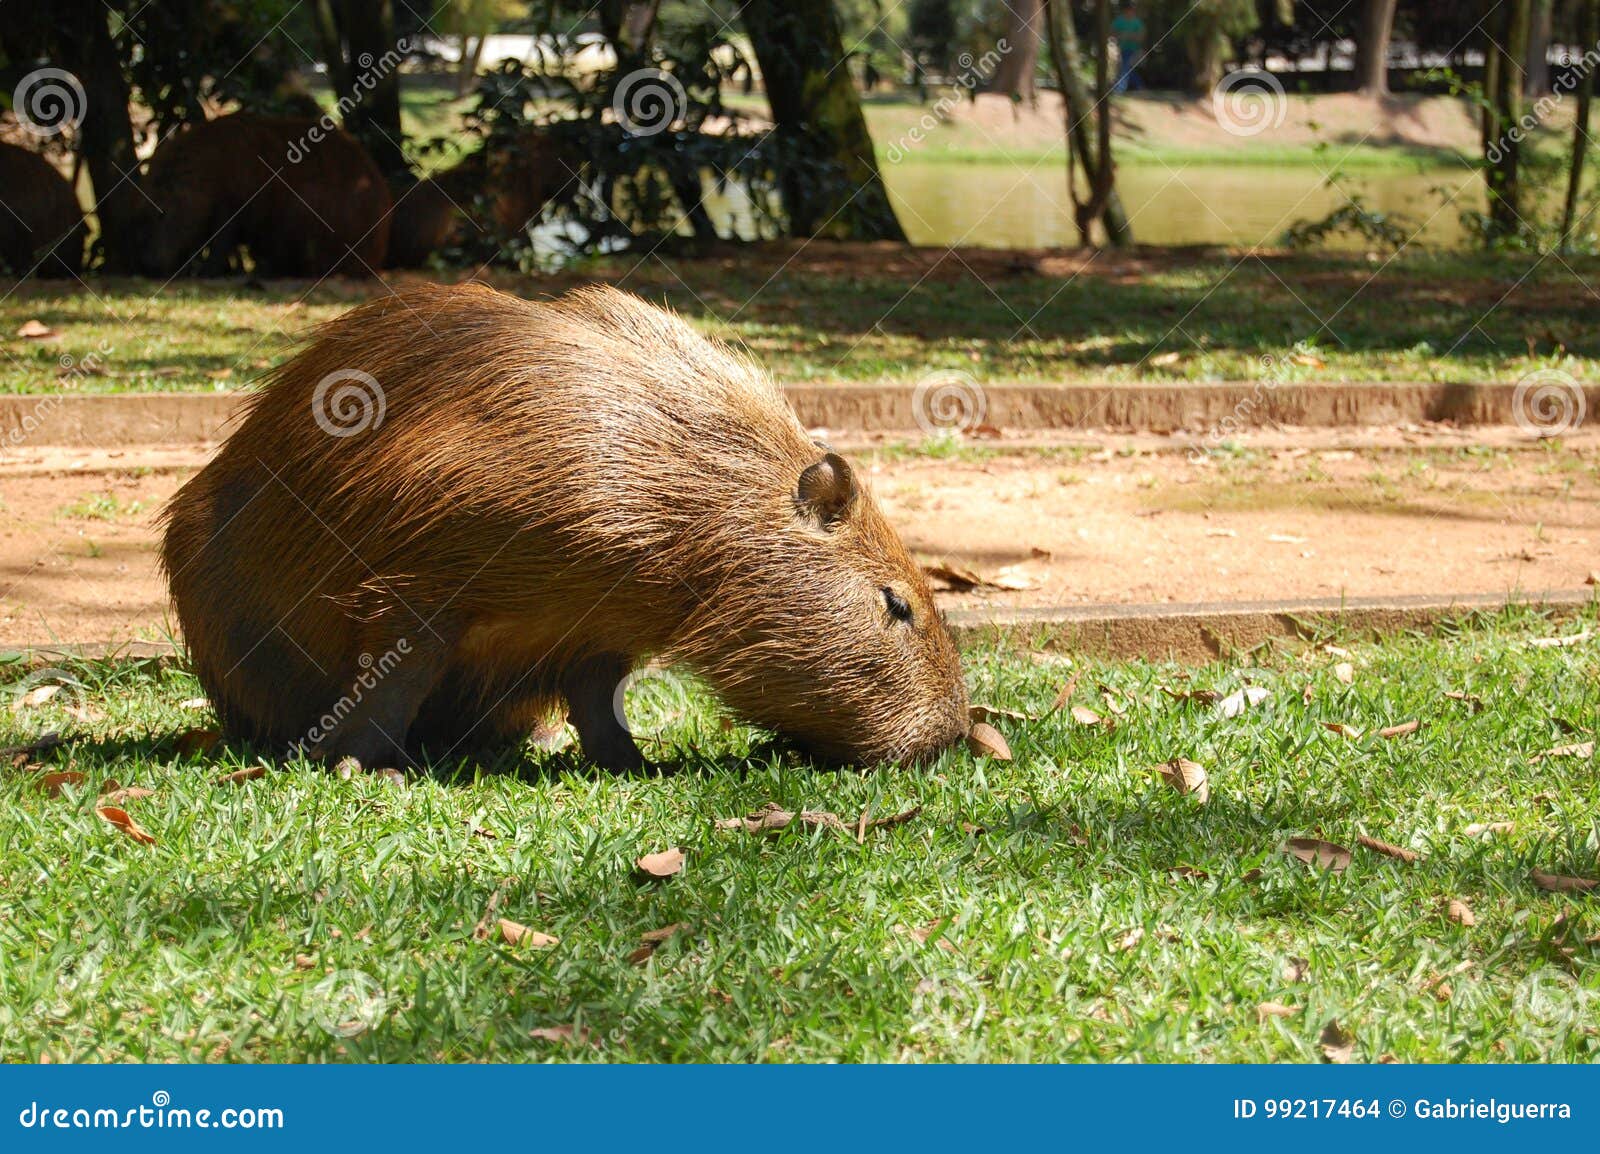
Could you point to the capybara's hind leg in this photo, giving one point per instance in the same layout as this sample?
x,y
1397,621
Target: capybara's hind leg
x,y
591,689
372,721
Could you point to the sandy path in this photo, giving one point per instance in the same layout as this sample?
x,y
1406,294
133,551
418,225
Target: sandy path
x,y
1080,524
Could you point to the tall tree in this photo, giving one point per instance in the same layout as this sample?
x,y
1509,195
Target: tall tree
x,y
1540,31
1015,76
1589,37
1506,32
814,104
1080,110
361,51
1372,46
88,50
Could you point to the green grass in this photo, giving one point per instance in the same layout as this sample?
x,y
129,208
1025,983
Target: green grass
x,y
1066,905
828,314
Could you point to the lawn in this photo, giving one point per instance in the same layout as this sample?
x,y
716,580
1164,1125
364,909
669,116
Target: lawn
x,y
843,313
1064,905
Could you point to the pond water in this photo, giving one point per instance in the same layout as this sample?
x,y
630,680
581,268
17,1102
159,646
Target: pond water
x,y
1026,205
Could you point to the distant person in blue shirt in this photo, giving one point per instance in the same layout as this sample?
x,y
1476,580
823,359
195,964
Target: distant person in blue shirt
x,y
1129,32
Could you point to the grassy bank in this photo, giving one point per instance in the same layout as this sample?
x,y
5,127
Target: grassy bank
x,y
1066,905
830,312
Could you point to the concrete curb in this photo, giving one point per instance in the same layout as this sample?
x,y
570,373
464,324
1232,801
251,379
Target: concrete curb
x,y
1194,633
1202,632
114,420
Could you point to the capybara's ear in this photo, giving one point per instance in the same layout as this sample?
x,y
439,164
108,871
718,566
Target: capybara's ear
x,y
827,490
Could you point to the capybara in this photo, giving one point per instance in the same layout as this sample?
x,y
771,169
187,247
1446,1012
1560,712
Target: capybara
x,y
513,180
304,198
456,511
41,224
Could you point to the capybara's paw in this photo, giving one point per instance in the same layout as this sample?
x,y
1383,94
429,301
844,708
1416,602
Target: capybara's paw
x,y
347,767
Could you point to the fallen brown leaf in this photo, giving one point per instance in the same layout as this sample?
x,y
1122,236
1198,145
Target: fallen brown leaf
x,y
1275,1010
1471,700
560,1034
1189,872
1383,847
892,819
643,954
662,934
1130,939
1562,883
986,741
661,865
955,578
1344,672
1065,695
1580,749
1295,970
1350,731
121,793
194,703
1460,912
1405,727
193,741
993,713
1479,828
304,962
1186,776
1195,696
1561,642
35,330
772,818
51,783
517,934
1316,852
1338,1044
240,776
119,818
36,696
1083,715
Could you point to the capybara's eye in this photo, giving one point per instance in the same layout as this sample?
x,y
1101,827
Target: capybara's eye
x,y
899,608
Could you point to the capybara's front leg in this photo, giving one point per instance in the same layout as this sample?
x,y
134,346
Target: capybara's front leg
x,y
590,687
393,680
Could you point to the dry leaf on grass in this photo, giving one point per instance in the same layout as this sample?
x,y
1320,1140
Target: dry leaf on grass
x,y
1580,749
560,1034
1130,939
1316,852
1344,673
517,934
1192,696
900,818
1479,828
1295,970
110,791
1186,776
51,783
665,932
1085,716
1247,698
1065,695
193,741
985,740
1383,847
304,962
1275,1010
19,754
1561,642
955,578
1460,912
1350,731
1338,1044
664,864
194,703
1405,727
1471,700
240,776
35,330
1563,883
1189,872
773,818
993,713
119,818
36,696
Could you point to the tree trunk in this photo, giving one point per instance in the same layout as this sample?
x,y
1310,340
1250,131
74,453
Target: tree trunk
x,y
471,57
1078,105
1539,33
815,106
1372,47
1508,40
362,54
1015,76
1589,37
106,136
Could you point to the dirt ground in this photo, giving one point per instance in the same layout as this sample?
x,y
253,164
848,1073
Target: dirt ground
x,y
1089,521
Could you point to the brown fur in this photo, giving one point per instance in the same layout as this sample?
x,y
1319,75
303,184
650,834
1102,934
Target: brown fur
x,y
556,492
231,181
41,223
444,210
